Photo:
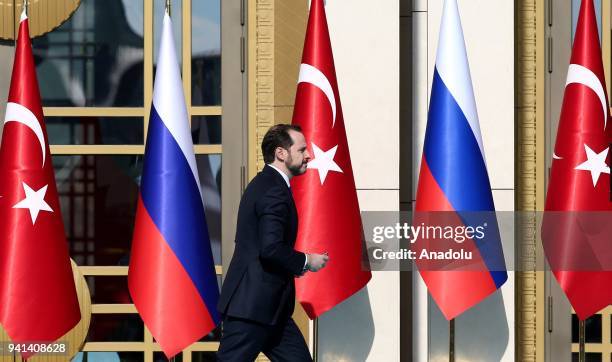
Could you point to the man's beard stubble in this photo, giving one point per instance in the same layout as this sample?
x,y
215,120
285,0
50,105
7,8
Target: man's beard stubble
x,y
296,170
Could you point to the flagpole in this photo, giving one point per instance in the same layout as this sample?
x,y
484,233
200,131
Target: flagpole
x,y
451,340
25,10
168,7
581,341
315,338
14,24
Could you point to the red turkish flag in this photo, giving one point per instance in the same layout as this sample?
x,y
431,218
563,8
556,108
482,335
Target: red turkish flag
x,y
325,196
38,300
575,232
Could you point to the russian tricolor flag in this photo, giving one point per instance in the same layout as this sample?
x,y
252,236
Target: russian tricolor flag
x,y
172,277
453,176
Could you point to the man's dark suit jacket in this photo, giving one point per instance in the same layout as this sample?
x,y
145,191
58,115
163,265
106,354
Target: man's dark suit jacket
x,y
259,284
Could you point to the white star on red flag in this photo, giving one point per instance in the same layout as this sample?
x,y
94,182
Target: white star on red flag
x,y
595,163
324,161
34,201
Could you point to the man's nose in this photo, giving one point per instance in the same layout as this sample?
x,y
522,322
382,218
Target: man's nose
x,y
307,156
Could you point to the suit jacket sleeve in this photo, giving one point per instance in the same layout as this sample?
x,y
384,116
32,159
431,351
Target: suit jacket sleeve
x,y
273,210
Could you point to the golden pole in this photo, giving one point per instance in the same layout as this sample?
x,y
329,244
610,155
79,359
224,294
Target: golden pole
x,y
451,340
581,342
315,337
168,7
15,23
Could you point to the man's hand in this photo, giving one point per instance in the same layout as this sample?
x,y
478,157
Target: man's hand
x,y
317,262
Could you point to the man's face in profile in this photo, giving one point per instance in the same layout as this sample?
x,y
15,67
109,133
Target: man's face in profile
x,y
299,156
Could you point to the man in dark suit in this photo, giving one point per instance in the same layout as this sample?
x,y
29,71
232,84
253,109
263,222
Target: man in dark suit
x,y
258,294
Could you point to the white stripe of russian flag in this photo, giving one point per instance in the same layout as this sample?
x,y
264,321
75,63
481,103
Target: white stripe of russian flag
x,y
453,67
169,99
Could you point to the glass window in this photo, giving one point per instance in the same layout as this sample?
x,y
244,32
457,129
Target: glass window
x,y
95,130
209,169
95,58
116,328
98,196
590,357
592,329
576,11
206,130
176,13
203,357
160,357
108,289
206,53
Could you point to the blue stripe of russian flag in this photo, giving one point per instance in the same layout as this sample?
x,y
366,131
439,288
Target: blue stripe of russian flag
x,y
172,198
453,155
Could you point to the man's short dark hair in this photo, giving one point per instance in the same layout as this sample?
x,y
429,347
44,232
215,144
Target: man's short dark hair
x,y
277,136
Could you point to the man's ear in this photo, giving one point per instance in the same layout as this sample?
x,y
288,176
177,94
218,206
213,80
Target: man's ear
x,y
280,153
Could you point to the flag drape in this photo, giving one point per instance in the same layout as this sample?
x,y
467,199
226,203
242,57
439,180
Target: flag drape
x,y
576,226
453,177
172,277
38,300
325,196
